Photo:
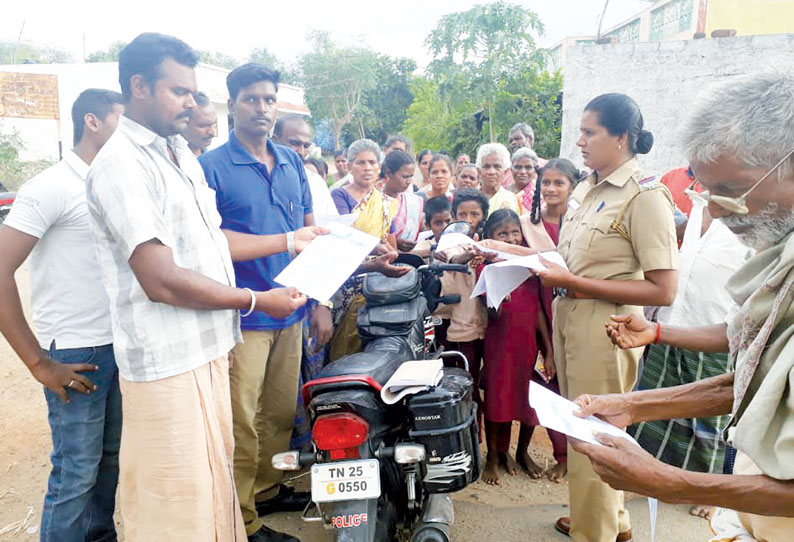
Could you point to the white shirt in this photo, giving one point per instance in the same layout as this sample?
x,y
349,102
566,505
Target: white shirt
x,y
69,303
135,194
322,202
705,265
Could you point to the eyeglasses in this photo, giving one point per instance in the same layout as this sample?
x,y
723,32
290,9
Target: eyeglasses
x,y
734,205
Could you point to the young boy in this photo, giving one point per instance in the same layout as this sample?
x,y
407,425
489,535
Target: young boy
x,y
465,322
437,215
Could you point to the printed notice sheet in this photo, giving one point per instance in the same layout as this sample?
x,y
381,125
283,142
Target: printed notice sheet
x,y
556,412
327,262
498,280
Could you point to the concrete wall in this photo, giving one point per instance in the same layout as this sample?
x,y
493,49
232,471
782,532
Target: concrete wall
x,y
663,78
41,136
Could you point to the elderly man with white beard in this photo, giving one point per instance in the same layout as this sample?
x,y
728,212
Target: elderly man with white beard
x,y
740,143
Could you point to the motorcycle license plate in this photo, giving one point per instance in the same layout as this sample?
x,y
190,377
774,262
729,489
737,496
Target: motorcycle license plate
x,y
346,481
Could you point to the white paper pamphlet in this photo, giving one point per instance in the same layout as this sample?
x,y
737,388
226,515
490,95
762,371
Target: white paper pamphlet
x,y
451,240
556,412
412,377
498,280
326,220
328,261
425,235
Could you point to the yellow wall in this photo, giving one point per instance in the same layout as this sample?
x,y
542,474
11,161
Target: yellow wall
x,y
751,17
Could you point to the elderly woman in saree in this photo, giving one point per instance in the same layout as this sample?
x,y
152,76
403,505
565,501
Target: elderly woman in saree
x,y
493,159
524,166
740,143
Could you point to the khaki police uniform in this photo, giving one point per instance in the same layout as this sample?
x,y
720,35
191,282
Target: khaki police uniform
x,y
614,230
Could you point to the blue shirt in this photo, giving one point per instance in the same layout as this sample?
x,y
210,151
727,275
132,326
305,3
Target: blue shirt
x,y
251,200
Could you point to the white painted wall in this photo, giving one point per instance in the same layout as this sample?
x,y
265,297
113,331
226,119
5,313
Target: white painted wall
x,y
41,136
663,78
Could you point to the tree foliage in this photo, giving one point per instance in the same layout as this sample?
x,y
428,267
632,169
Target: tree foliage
x,y
13,171
336,79
384,106
111,54
12,52
475,51
486,75
217,58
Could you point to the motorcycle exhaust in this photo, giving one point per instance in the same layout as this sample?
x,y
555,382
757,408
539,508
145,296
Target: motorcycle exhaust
x,y
436,522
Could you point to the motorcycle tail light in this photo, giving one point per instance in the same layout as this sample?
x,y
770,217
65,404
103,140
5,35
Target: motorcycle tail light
x,y
339,431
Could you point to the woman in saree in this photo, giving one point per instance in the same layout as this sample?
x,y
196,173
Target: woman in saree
x,y
375,211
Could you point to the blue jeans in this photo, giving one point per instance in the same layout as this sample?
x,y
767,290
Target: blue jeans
x,y
81,491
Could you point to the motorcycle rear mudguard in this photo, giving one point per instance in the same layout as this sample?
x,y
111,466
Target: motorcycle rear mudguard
x,y
362,516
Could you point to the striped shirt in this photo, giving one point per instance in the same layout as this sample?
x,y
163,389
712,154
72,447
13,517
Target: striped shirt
x,y
136,194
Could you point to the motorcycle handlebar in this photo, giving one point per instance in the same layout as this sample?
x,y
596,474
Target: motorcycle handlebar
x,y
440,268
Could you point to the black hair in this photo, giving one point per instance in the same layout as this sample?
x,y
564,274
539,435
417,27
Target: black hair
x,y
202,100
248,74
562,165
499,218
98,102
392,139
321,166
145,54
445,158
620,114
423,154
470,194
278,129
340,152
394,161
436,205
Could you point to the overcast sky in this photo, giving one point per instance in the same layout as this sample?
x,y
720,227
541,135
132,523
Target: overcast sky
x,y
238,26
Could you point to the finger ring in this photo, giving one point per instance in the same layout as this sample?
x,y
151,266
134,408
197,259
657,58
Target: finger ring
x,y
69,385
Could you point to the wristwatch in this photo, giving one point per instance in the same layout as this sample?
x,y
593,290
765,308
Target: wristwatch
x,y
291,244
328,305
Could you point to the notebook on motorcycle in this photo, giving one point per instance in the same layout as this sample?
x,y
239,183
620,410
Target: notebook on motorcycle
x,y
412,377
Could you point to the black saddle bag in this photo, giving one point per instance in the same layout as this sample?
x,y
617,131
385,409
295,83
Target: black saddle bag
x,y
379,289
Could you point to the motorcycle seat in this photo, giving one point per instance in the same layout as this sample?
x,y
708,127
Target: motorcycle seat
x,y
377,365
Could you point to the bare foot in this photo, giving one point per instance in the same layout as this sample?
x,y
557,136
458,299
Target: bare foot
x,y
509,464
557,473
534,470
702,511
490,475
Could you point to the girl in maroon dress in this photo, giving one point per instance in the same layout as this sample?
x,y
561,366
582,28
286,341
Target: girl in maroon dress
x,y
539,230
511,349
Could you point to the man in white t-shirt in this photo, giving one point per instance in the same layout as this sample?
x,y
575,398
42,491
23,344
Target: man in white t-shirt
x,y
71,353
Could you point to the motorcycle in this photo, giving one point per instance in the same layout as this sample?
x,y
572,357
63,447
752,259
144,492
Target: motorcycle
x,y
379,471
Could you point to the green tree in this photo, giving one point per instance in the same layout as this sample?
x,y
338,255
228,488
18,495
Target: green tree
x,y
486,75
218,59
385,106
111,54
14,171
475,51
336,80
13,52
290,73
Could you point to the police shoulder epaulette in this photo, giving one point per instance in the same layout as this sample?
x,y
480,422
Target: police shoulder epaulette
x,y
647,183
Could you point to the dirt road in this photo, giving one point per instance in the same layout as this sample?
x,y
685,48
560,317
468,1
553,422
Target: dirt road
x,y
520,510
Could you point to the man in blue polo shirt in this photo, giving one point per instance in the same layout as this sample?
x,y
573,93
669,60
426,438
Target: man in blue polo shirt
x,y
261,188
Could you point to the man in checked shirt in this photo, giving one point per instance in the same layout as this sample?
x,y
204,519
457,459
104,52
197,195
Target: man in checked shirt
x,y
167,269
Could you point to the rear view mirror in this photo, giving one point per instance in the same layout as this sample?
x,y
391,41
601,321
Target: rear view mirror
x,y
457,227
